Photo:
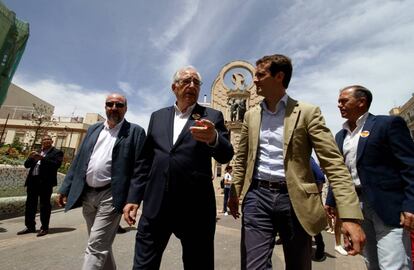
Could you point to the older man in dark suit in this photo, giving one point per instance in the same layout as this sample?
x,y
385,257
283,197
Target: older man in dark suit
x,y
379,153
99,178
40,182
174,178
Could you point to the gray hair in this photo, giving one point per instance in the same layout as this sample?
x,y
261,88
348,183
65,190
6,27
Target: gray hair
x,y
359,92
176,76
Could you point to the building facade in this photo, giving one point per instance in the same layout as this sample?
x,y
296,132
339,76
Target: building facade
x,y
25,118
406,111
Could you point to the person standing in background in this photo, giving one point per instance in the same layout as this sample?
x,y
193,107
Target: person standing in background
x,y
227,186
41,179
379,153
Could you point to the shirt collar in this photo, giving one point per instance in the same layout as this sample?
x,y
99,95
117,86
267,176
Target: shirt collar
x,y
187,112
45,151
359,122
115,128
281,104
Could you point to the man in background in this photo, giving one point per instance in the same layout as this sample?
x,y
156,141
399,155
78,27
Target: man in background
x,y
41,179
379,153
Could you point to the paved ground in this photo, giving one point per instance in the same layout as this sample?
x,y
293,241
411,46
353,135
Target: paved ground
x,y
63,247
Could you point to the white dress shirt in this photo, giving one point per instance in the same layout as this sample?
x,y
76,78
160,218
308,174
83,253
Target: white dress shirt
x,y
36,168
350,146
98,173
269,163
180,119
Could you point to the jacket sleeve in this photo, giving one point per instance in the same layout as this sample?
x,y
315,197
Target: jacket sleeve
x,y
67,182
317,172
53,161
240,160
223,151
402,146
30,162
142,167
330,200
333,165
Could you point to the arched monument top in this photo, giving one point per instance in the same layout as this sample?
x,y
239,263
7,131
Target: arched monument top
x,y
233,65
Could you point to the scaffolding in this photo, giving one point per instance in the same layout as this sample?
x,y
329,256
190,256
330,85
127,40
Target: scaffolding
x,y
14,34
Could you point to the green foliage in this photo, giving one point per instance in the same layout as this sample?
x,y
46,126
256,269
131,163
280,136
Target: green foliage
x,y
64,168
16,144
10,161
11,156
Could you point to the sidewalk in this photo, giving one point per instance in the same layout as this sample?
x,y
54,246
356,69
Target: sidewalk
x,y
63,247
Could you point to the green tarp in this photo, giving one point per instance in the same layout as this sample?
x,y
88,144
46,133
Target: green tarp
x,y
13,38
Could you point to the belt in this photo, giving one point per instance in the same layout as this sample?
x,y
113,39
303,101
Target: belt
x,y
271,185
98,189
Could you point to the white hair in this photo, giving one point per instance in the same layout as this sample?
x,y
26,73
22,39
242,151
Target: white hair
x,y
176,76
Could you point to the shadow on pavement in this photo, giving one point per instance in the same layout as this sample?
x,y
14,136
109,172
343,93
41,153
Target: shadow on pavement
x,y
60,230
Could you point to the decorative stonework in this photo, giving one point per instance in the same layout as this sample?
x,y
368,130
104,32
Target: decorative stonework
x,y
234,100
13,192
221,93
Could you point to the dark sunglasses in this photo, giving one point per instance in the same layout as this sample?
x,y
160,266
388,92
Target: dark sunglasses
x,y
110,104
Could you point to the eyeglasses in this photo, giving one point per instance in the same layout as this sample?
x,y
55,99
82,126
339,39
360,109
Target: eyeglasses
x,y
188,81
110,104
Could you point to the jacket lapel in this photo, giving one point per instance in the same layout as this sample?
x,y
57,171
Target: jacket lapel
x,y
291,117
170,127
198,110
123,132
94,138
362,142
254,128
340,140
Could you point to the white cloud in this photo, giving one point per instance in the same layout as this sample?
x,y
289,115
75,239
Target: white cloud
x,y
175,60
175,25
76,100
342,43
331,43
68,99
125,87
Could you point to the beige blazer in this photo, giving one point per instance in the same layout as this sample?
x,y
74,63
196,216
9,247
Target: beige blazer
x,y
304,129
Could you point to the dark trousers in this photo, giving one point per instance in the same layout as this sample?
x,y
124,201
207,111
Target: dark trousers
x,y
195,229
267,212
226,198
38,191
319,241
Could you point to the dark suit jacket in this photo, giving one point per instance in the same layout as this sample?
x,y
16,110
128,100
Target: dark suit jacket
x,y
317,172
385,165
182,168
124,157
47,169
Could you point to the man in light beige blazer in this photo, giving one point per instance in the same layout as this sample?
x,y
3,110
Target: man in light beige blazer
x,y
276,143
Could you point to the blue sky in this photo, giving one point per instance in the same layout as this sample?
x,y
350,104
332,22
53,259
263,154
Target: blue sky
x,y
80,50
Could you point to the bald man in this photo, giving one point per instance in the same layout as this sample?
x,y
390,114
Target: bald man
x,y
99,179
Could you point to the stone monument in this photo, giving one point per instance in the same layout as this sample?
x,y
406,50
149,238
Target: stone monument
x,y
235,99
